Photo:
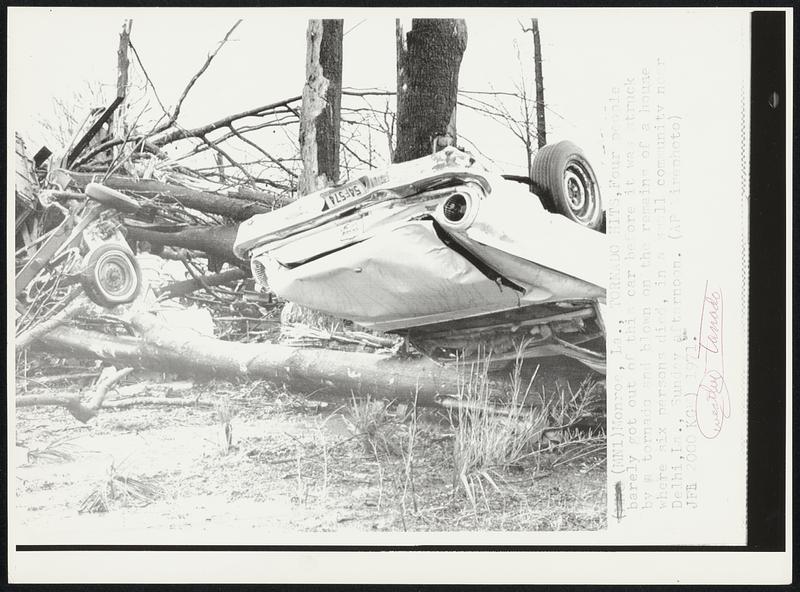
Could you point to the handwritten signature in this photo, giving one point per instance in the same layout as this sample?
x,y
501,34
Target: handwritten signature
x,y
712,400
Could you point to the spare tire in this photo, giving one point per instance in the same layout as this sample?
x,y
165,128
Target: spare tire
x,y
112,198
112,276
567,185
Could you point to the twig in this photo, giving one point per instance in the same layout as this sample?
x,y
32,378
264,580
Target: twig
x,y
199,73
44,380
147,77
264,152
120,159
72,309
165,401
227,157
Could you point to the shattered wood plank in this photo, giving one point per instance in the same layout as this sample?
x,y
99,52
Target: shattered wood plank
x,y
92,131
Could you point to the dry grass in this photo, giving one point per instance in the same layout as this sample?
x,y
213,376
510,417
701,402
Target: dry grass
x,y
384,433
58,451
122,490
390,468
391,438
492,439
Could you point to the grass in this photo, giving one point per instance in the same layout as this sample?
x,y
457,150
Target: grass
x,y
502,448
382,430
391,438
493,439
393,471
58,451
120,489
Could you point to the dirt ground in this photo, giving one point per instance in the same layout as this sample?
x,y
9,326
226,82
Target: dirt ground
x,y
292,465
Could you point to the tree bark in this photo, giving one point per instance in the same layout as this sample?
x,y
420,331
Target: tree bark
x,y
428,61
322,101
306,370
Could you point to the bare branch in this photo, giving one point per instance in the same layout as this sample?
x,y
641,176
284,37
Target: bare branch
x,y
356,156
177,110
147,78
262,151
227,157
180,134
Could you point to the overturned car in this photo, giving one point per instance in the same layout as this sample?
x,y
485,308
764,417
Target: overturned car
x,y
459,259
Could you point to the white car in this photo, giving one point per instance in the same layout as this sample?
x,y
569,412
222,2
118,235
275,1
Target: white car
x,y
459,259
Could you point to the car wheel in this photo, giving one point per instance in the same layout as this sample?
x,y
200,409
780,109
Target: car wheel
x,y
567,185
112,276
112,198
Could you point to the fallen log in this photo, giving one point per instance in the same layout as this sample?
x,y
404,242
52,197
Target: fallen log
x,y
317,371
216,241
204,201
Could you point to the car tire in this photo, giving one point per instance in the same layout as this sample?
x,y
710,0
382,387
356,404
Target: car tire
x,y
112,276
112,198
567,185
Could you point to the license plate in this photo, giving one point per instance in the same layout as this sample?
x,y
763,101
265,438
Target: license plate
x,y
345,193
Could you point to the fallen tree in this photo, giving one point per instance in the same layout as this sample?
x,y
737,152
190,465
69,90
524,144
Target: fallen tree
x,y
214,241
212,203
319,371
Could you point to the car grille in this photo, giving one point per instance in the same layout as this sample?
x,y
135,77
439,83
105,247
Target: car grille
x,y
259,273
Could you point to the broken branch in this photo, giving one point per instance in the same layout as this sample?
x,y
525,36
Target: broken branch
x,y
73,403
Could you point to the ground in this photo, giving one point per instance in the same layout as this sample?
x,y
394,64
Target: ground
x,y
292,465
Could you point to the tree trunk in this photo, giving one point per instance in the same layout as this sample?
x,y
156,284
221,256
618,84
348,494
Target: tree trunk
x,y
306,370
215,241
119,121
322,101
541,131
428,63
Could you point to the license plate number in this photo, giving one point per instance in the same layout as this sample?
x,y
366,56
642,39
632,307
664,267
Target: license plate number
x,y
343,194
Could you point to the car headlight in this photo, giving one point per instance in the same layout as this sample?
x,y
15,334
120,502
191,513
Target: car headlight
x,y
460,208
